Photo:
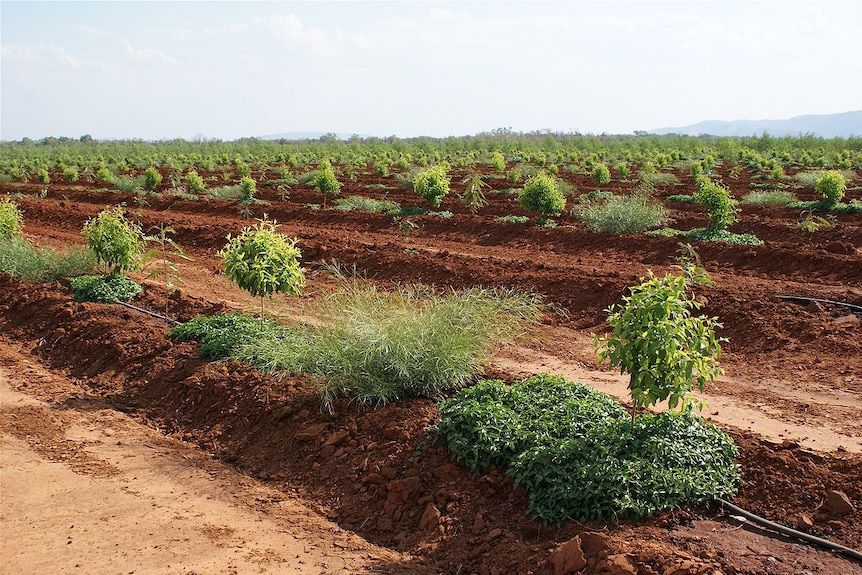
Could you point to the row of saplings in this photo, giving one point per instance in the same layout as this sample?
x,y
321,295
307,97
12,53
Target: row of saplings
x,y
577,451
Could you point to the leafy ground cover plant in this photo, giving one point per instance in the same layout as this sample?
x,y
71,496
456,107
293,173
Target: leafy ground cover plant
x,y
663,347
11,219
222,335
107,288
621,214
542,195
512,219
262,262
579,456
375,347
432,184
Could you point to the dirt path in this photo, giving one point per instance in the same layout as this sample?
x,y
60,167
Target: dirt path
x,y
86,489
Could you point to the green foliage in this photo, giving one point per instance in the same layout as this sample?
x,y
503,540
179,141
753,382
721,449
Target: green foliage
x,y
707,235
158,261
375,347
222,335
381,169
622,214
660,344
601,174
498,161
363,204
127,185
107,288
542,195
811,223
224,192
115,241
577,454
512,219
325,182
432,184
42,176
248,188
473,197
773,198
104,175
11,219
683,199
70,174
831,185
152,178
718,203
195,182
852,207
19,258
262,262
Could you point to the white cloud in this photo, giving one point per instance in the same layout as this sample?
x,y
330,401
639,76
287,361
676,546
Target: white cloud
x,y
145,54
47,55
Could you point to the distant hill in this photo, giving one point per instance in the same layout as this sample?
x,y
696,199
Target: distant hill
x,y
308,136
841,125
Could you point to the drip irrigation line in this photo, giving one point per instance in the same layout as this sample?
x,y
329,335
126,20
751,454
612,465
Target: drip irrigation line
x,y
148,312
829,301
840,549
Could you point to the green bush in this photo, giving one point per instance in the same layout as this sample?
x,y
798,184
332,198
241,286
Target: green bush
x,y
19,258
107,288
104,175
248,188
195,182
622,214
222,335
42,176
152,178
375,347
325,182
601,174
11,219
70,174
512,219
542,195
381,169
362,204
498,161
115,241
831,185
127,185
718,203
432,184
577,454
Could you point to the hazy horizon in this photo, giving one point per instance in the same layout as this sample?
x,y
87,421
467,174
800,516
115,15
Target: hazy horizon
x,y
226,70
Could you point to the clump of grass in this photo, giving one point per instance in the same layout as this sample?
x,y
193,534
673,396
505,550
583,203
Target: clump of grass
x,y
773,198
225,192
580,456
375,347
512,219
363,204
622,214
658,178
683,199
20,258
128,185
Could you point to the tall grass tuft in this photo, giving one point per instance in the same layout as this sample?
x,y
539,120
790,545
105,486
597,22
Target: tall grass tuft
x,y
363,204
773,198
622,214
19,258
375,347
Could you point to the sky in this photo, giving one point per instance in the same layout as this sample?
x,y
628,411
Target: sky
x,y
160,70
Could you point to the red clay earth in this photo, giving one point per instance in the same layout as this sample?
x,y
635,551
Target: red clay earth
x,y
791,396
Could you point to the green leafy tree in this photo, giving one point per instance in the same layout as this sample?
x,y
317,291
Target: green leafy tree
x,y
70,174
42,176
158,261
601,174
473,197
11,219
498,161
660,344
115,240
722,208
262,261
195,182
432,184
152,178
541,194
248,188
831,185
325,182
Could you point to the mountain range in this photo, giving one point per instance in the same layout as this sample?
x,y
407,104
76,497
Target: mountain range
x,y
841,125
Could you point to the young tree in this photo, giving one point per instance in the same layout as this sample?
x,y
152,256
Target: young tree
x,y
657,341
432,184
831,186
325,181
115,240
262,262
11,220
542,195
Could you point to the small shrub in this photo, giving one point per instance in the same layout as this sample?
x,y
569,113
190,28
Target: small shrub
x,y
363,204
115,241
774,198
103,174
195,182
541,195
42,176
718,202
512,219
432,184
498,161
70,174
381,169
11,219
601,174
127,185
222,335
152,178
831,185
247,190
473,197
325,182
107,288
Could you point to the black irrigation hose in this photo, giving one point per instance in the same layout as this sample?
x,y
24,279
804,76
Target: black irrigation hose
x,y
148,312
846,551
829,301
